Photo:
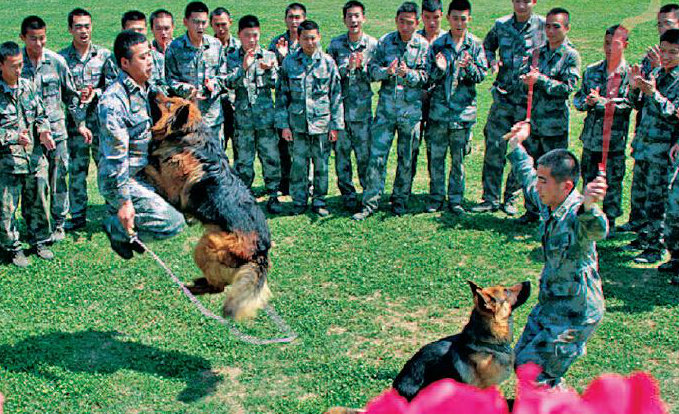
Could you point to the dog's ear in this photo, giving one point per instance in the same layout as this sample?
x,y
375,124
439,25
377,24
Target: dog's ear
x,y
518,294
181,117
481,300
155,100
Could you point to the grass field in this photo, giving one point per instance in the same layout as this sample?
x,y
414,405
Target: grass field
x,y
89,332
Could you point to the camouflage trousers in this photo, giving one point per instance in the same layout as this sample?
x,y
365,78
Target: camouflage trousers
x,y
78,168
615,173
218,134
440,137
501,118
32,189
154,218
356,138
382,136
286,162
637,215
265,143
424,124
672,214
552,346
229,132
57,172
305,148
536,146
651,181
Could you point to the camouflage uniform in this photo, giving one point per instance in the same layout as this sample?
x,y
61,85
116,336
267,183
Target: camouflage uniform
x,y
125,120
55,85
514,43
453,113
672,213
254,118
357,99
96,69
187,68
399,108
571,301
651,145
596,76
158,81
309,102
228,101
24,170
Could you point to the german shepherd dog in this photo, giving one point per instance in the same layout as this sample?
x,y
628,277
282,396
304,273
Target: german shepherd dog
x,y
190,170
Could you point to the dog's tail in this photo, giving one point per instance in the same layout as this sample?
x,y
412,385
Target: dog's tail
x,y
249,291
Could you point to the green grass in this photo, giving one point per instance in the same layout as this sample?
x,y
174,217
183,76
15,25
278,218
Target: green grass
x,y
89,332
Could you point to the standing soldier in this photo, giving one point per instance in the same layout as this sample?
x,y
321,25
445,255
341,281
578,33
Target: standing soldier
x,y
672,219
93,69
252,74
22,161
162,26
400,63
282,45
593,98
310,114
136,21
457,62
220,20
514,37
352,51
49,73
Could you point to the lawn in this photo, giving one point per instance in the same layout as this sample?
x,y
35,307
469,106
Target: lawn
x,y
89,332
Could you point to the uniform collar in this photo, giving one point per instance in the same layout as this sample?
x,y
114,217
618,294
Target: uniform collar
x,y
6,89
573,198
318,55
362,42
130,85
466,40
423,33
73,53
187,42
532,20
44,60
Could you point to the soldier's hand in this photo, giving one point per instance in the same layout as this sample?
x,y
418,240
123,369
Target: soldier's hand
x,y
86,94
441,61
332,135
286,134
531,77
519,133
647,86
24,138
674,152
594,96
393,67
86,133
248,59
352,61
266,64
495,67
635,76
359,59
654,54
595,192
282,47
126,216
47,141
465,61
403,70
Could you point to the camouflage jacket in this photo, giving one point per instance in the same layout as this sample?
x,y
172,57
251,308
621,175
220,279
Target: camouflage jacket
x,y
292,47
453,98
96,69
187,68
55,84
657,130
439,35
234,44
561,70
158,79
21,109
125,122
253,98
570,286
309,94
515,50
596,76
356,91
397,94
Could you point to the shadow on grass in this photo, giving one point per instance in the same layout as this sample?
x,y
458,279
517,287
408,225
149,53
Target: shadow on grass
x,y
486,222
105,353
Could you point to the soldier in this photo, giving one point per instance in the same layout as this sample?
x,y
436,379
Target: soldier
x,y
93,69
125,136
652,143
252,74
162,26
49,73
456,63
193,64
593,98
571,302
310,114
514,38
554,78
400,63
22,161
220,20
352,51
136,21
672,219
282,45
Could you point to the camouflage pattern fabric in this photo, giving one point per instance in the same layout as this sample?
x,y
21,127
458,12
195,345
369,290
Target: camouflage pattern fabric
x,y
305,147
292,47
672,213
440,138
228,100
651,196
615,173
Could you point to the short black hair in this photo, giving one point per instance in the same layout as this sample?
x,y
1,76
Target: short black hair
x,y
408,7
432,5
563,165
671,36
122,47
618,29
247,22
560,10
295,6
158,14
351,4
218,12
132,16
669,8
308,25
32,23
77,12
8,49
195,7
460,5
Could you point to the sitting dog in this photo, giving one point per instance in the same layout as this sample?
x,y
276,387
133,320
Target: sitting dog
x,y
190,170
481,355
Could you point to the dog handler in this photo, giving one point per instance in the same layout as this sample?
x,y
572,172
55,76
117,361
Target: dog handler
x,y
124,115
570,302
